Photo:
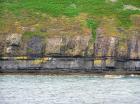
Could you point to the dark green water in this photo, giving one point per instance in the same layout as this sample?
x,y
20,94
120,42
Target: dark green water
x,y
45,89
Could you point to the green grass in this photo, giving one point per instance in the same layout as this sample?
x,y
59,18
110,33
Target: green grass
x,y
93,26
70,8
132,2
29,35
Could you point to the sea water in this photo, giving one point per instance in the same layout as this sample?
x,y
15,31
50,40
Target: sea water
x,y
69,89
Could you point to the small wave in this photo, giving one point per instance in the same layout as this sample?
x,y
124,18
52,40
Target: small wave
x,y
132,75
114,76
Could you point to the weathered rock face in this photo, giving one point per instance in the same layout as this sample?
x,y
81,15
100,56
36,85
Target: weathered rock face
x,y
69,45
117,44
35,47
53,45
105,45
14,39
134,45
83,45
2,44
119,47
12,44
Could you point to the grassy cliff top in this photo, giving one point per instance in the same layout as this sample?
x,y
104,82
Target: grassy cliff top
x,y
22,10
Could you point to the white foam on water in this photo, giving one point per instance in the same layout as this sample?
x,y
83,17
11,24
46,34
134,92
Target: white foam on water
x,y
134,76
114,76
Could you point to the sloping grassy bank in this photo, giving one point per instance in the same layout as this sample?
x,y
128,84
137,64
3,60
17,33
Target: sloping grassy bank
x,y
95,8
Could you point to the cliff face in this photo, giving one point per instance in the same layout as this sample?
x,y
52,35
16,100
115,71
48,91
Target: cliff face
x,y
66,37
125,44
112,47
69,45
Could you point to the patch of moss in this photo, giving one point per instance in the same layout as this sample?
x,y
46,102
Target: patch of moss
x,y
71,10
93,26
29,34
